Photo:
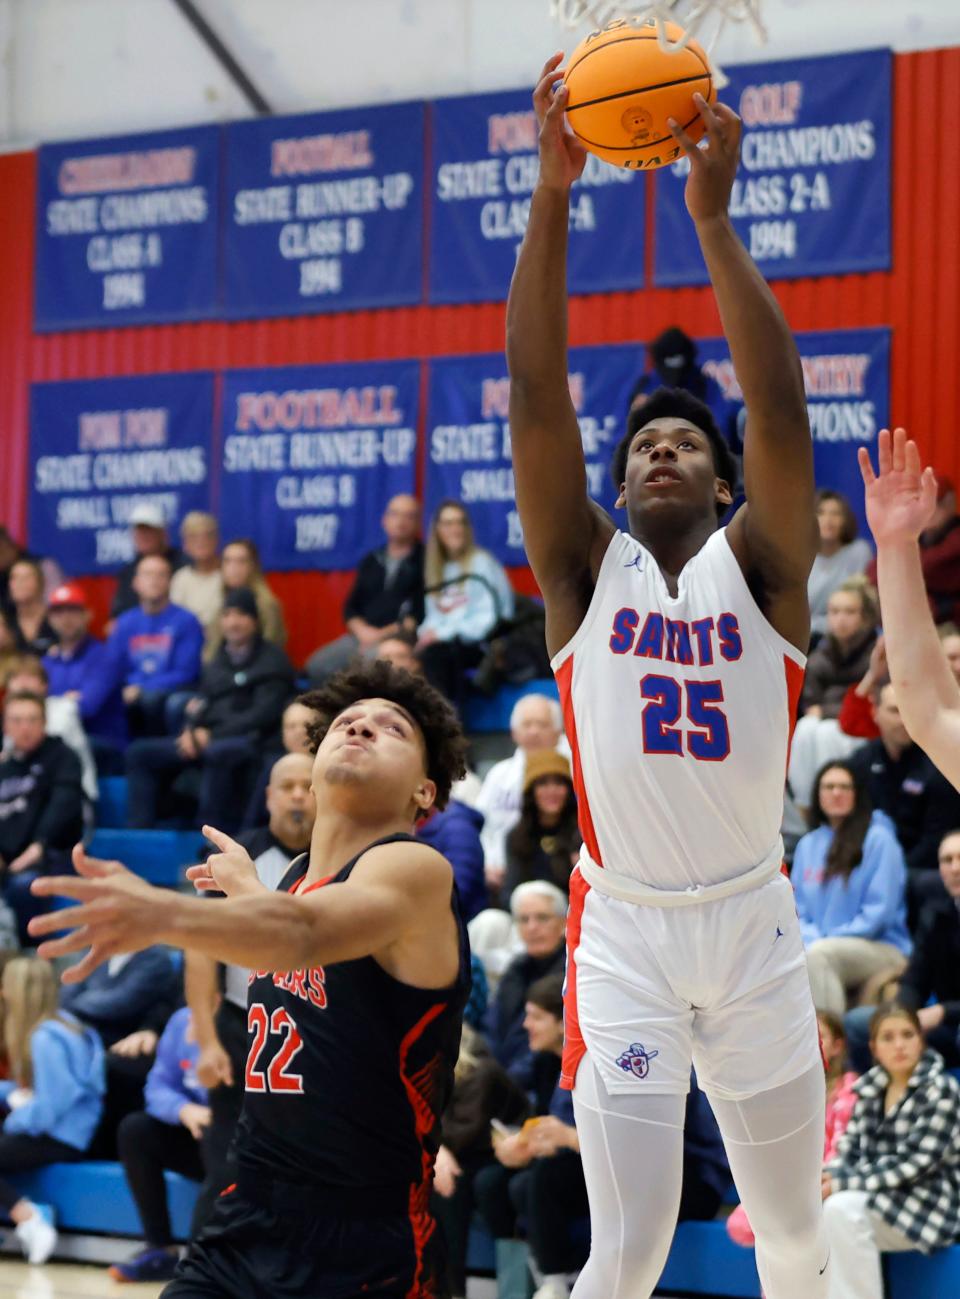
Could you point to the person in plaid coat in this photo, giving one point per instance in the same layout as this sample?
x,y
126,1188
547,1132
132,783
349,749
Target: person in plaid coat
x,y
894,1183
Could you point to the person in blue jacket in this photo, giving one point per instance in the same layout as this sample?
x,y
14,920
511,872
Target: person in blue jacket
x,y
166,1134
160,647
455,833
849,878
89,671
53,1098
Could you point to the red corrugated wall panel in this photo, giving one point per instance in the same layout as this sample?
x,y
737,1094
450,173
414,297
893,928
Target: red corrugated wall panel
x,y
920,299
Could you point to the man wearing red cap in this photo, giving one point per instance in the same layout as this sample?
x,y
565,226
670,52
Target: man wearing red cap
x,y
89,671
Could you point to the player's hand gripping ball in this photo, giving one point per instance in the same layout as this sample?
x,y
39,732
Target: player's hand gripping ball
x,y
623,86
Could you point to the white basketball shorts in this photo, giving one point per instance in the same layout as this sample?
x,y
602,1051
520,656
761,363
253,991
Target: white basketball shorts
x,y
719,984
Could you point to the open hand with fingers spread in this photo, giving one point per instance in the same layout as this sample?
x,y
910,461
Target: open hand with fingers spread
x,y
562,156
229,870
900,499
713,169
117,912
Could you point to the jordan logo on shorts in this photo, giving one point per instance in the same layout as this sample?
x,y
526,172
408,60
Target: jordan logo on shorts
x,y
636,1060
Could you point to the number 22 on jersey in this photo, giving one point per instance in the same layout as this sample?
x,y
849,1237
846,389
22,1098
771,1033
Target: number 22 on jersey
x,y
278,1076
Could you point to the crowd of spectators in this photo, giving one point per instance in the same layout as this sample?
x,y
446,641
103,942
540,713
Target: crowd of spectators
x,y
191,695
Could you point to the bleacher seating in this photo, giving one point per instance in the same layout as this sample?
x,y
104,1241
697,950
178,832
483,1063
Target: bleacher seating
x,y
93,1199
484,715
159,856
112,803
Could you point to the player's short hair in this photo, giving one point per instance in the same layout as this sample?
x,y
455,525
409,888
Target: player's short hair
x,y
547,994
677,403
539,888
443,736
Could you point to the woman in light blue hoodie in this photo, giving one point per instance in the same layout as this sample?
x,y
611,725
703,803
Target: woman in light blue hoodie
x,y
468,591
849,877
54,1095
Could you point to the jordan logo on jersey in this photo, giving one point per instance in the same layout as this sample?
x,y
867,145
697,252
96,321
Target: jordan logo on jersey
x,y
636,1060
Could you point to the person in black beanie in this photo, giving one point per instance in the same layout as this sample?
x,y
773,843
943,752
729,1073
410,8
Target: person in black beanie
x,y
674,357
228,723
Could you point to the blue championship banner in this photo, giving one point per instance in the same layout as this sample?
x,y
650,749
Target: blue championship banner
x,y
127,229
813,191
312,454
324,212
468,450
847,378
101,447
484,157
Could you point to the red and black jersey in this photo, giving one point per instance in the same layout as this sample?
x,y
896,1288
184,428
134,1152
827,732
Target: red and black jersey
x,y
348,1073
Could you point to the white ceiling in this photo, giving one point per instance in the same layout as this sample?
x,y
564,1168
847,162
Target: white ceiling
x,y
96,67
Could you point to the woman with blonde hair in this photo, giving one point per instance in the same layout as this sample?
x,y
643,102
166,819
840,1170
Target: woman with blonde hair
x,y
198,586
54,1095
468,591
240,566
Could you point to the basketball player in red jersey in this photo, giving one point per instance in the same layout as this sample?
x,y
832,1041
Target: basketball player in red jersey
x,y
901,503
359,973
679,650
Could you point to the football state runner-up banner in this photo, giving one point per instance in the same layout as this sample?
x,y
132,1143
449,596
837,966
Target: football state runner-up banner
x,y
484,169
324,212
468,447
101,447
813,191
127,229
311,455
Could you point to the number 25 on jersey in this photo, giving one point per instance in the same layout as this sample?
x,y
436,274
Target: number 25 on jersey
x,y
708,736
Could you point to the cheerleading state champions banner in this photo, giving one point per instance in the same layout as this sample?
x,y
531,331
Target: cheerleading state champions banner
x,y
101,447
311,455
127,229
484,160
846,375
468,436
813,192
324,212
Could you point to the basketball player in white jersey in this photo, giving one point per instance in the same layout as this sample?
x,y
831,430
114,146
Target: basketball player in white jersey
x,y
900,506
678,647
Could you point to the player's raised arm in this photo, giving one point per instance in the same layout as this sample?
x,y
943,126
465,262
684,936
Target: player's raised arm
x,y
776,535
900,502
563,531
396,891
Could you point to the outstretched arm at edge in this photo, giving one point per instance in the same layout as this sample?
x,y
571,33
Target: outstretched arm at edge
x,y
560,525
395,892
900,501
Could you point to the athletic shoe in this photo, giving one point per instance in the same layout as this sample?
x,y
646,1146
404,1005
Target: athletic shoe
x,y
149,1265
554,1287
37,1235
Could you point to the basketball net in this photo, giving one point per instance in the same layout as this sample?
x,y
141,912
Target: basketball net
x,y
692,15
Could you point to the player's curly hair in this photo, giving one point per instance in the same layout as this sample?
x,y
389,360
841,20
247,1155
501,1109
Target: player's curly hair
x,y
443,736
677,403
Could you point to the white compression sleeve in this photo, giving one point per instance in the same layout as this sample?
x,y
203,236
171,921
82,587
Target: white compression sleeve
x,y
632,1151
774,1141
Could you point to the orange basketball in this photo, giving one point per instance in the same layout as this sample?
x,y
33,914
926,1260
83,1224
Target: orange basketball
x,y
623,86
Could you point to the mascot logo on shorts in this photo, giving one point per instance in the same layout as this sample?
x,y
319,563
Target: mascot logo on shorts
x,y
636,1060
